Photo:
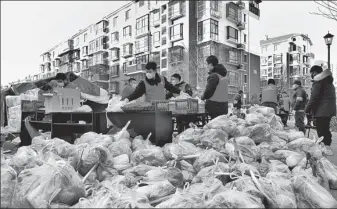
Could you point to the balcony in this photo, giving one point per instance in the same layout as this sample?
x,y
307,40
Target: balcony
x,y
232,40
142,32
215,13
135,69
47,60
241,25
114,87
234,15
240,67
100,77
175,12
114,71
241,4
66,47
254,9
241,46
155,23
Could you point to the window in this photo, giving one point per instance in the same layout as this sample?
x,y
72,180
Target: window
x,y
164,53
77,41
114,54
156,39
232,57
294,39
114,70
244,18
84,64
85,37
164,63
215,5
275,47
232,33
142,25
245,58
142,45
176,54
114,22
245,78
232,11
100,27
141,3
201,8
214,29
277,58
127,15
163,30
127,49
163,19
114,37
142,59
155,17
233,78
176,32
175,9
163,40
304,48
277,70
124,67
163,8
127,31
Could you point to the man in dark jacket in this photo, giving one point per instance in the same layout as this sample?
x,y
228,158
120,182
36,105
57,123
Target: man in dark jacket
x,y
182,85
153,87
129,88
238,100
322,103
299,101
216,92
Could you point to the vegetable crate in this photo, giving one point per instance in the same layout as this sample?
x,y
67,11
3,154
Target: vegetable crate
x,y
161,105
186,106
62,100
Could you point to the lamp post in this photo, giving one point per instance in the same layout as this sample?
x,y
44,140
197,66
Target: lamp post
x,y
328,41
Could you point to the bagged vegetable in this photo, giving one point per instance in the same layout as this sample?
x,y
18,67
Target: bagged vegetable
x,y
121,162
255,118
208,158
191,135
330,171
152,156
25,158
156,190
84,108
293,134
310,194
234,199
277,166
8,183
120,147
139,170
260,133
173,175
223,122
212,172
173,150
182,199
214,138
55,181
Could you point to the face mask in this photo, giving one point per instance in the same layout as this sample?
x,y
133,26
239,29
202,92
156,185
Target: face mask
x,y
150,75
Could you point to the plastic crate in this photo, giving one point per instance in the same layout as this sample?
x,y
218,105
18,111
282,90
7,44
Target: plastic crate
x,y
62,100
161,105
186,106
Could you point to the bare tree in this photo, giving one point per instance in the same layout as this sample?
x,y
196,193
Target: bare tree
x,y
327,9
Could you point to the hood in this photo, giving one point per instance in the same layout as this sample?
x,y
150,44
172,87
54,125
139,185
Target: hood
x,y
219,69
325,75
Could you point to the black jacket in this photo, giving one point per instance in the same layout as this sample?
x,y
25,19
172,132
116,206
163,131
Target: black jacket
x,y
238,101
299,104
141,90
213,80
322,101
187,90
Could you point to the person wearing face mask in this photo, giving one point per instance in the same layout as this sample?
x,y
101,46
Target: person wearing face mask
x,y
299,101
153,86
216,92
322,104
182,85
129,88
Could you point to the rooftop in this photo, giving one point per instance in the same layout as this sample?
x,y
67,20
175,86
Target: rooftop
x,y
283,38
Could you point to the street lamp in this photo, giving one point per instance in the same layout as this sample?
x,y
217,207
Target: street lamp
x,y
328,41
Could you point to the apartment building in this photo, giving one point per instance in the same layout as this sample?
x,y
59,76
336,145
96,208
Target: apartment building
x,y
285,59
177,35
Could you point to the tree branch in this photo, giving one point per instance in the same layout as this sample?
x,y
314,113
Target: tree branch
x,y
329,5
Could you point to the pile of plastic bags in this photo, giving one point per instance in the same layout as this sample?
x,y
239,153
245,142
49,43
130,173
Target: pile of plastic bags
x,y
229,163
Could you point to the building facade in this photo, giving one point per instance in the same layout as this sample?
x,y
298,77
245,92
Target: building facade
x,y
286,59
177,35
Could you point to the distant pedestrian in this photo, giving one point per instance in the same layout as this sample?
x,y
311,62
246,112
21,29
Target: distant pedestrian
x,y
237,103
322,103
269,95
299,100
129,88
285,105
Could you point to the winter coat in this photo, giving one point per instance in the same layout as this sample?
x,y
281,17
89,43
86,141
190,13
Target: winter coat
x,y
322,101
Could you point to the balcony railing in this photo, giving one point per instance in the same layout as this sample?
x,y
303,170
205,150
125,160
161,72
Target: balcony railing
x,y
241,4
241,25
207,37
173,13
232,40
254,9
241,46
215,13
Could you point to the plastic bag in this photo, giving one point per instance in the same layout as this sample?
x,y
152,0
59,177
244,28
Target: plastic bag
x,y
152,156
300,144
121,162
84,108
260,133
173,150
25,158
214,138
211,172
93,138
182,199
293,134
234,199
115,104
139,170
223,122
156,190
277,166
120,147
55,181
255,118
310,194
173,175
12,101
191,135
8,183
208,158
330,171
